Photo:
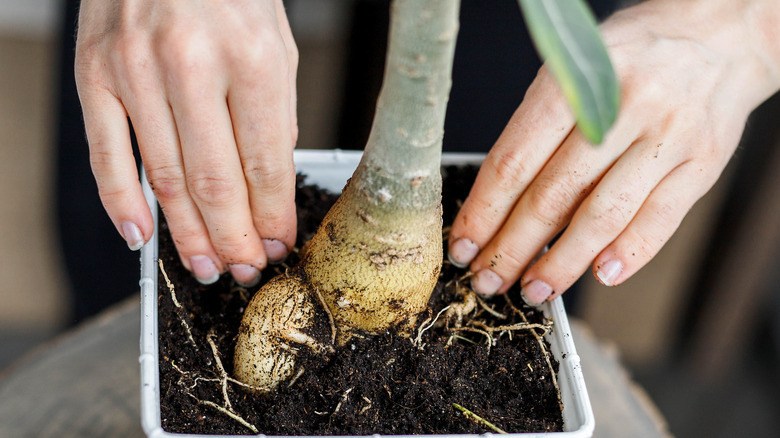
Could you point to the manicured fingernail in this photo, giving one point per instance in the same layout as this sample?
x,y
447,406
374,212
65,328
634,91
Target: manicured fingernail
x,y
245,275
609,271
275,250
462,252
486,283
536,292
204,270
132,235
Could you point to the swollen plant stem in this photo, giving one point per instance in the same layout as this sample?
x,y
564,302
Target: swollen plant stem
x,y
375,259
377,254
402,158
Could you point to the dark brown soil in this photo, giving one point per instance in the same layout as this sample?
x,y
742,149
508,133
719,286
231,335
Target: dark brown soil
x,y
382,384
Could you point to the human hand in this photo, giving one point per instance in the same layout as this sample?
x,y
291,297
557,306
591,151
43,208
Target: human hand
x,y
209,88
691,73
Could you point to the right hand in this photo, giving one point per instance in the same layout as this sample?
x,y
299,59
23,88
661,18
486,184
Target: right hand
x,y
209,88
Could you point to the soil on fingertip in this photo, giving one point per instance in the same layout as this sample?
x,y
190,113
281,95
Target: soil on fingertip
x,y
377,385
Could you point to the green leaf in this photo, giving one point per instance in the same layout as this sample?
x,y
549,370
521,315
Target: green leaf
x,y
566,35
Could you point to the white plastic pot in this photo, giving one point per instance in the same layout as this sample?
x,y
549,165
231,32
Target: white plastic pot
x,y
330,170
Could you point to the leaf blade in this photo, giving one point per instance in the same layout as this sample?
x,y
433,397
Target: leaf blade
x,y
566,36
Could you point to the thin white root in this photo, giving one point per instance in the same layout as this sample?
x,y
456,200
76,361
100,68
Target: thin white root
x,y
425,326
296,377
223,374
341,402
298,337
487,308
330,315
545,353
230,414
366,407
179,309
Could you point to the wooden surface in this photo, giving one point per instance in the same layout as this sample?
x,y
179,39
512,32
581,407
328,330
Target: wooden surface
x,y
86,384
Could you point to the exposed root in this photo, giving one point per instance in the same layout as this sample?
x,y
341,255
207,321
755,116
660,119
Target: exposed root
x,y
296,377
366,407
545,352
229,413
489,339
487,308
425,326
222,380
455,337
468,414
341,402
445,234
458,310
330,316
180,312
222,373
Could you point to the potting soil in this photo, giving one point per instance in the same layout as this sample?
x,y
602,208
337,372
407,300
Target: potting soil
x,y
451,382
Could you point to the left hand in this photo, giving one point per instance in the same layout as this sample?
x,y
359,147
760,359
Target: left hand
x,y
688,83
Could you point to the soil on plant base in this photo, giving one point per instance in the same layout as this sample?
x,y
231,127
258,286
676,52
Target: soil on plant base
x,y
380,384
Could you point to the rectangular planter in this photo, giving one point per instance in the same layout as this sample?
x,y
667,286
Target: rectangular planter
x,y
330,170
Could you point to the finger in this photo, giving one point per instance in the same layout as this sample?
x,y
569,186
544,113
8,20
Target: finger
x,y
653,226
538,127
546,207
292,62
212,167
600,219
113,164
265,145
158,143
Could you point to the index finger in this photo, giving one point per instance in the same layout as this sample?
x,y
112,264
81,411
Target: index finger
x,y
536,130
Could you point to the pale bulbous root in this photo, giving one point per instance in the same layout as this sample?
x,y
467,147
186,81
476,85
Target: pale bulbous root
x,y
284,321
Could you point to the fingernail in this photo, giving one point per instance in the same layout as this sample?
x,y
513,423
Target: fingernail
x,y
245,275
133,236
609,271
275,250
204,270
462,252
536,292
486,283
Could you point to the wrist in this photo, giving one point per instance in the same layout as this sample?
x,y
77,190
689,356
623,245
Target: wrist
x,y
762,22
747,32
743,33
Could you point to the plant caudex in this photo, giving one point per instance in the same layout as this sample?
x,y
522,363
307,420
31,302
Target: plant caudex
x,y
376,257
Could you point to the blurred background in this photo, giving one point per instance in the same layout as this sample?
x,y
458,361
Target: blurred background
x,y
698,328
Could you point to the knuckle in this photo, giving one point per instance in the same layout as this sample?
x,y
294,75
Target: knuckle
x,y
101,161
269,176
210,189
509,259
167,182
608,215
265,58
294,132
185,51
112,196
645,246
551,201
664,214
508,168
88,62
235,248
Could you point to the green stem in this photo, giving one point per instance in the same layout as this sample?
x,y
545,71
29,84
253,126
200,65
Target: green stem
x,y
400,167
